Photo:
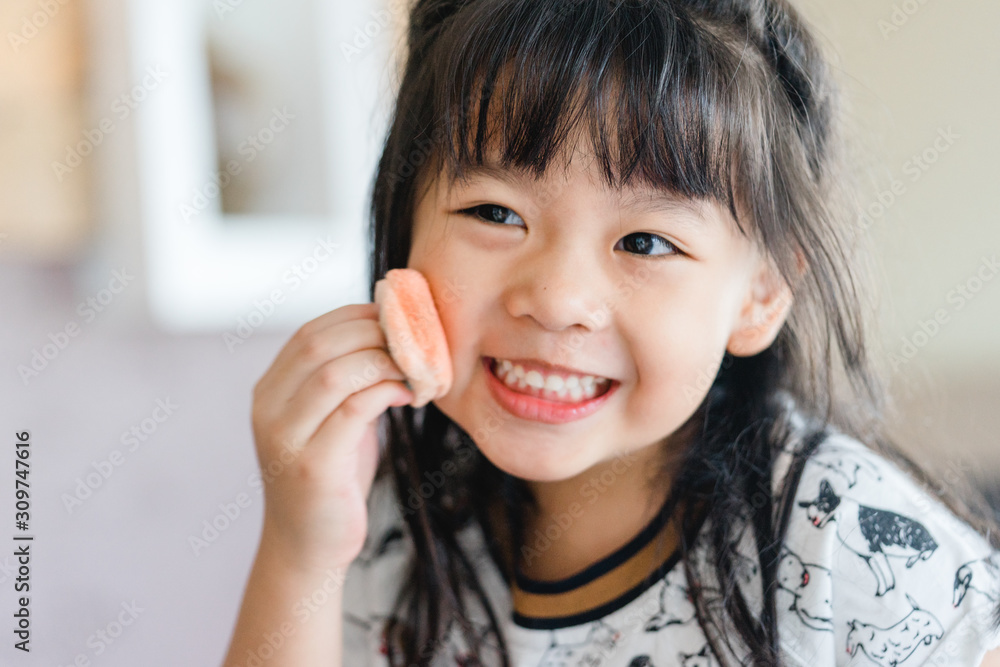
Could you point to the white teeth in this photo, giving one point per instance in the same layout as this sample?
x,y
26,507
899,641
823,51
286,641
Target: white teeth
x,y
534,379
574,388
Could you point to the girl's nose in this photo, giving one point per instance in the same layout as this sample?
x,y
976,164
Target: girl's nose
x,y
557,289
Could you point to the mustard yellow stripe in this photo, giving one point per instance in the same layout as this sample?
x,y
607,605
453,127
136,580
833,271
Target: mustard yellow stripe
x,y
606,588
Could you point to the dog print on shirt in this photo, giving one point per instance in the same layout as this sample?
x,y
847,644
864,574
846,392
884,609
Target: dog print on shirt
x,y
811,587
890,646
848,468
874,534
676,605
976,575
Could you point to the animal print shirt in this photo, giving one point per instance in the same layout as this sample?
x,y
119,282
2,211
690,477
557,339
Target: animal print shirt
x,y
874,571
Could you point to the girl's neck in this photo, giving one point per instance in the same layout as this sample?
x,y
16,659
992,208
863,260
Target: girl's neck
x,y
586,518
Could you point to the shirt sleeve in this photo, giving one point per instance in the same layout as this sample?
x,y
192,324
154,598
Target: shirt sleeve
x,y
876,570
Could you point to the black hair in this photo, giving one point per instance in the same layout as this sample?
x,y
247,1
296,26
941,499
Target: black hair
x,y
727,100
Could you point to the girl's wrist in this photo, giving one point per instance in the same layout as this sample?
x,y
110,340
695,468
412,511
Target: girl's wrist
x,y
275,549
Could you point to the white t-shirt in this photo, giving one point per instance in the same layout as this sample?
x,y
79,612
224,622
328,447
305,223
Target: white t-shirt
x,y
874,571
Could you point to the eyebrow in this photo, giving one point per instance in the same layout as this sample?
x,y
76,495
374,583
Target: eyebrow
x,y
515,176
647,201
663,201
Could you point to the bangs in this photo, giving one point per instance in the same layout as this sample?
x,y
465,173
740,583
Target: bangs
x,y
667,101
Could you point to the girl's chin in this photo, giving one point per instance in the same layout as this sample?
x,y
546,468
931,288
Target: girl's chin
x,y
527,472
529,461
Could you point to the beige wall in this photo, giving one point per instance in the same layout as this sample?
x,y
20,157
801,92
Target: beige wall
x,y
939,69
911,78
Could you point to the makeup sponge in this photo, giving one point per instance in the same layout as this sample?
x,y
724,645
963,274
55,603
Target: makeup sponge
x,y
414,334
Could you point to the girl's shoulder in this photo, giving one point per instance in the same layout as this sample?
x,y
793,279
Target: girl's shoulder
x,y
874,563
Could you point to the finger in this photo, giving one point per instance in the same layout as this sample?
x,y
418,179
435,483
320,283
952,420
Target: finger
x,y
331,385
286,375
342,431
323,323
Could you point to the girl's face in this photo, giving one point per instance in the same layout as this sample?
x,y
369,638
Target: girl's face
x,y
645,291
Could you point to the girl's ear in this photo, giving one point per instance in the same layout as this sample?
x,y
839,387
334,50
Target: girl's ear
x,y
764,311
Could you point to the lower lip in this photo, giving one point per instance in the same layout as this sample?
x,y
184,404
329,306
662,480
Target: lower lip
x,y
539,409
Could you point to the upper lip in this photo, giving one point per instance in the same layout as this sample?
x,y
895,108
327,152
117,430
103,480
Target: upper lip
x,y
547,367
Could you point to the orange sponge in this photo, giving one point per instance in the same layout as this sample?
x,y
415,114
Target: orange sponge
x,y
414,334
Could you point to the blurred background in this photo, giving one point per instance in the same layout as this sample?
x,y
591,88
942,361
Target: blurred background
x,y
183,184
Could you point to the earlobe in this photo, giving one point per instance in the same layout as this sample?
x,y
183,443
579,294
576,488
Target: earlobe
x,y
763,315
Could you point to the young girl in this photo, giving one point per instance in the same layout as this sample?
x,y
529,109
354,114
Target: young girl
x,y
663,443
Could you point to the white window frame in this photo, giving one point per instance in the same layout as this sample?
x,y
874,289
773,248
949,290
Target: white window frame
x,y
205,274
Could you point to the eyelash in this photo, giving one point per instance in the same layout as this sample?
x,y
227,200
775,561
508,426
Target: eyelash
x,y
471,212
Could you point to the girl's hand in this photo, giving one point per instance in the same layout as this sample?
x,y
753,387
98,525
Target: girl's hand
x,y
315,415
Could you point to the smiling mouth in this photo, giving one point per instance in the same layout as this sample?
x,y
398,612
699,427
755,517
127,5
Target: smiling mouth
x,y
567,393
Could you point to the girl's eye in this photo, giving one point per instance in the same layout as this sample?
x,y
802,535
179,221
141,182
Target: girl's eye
x,y
493,213
641,242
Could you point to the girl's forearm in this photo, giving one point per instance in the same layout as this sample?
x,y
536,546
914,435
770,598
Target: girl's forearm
x,y
289,616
